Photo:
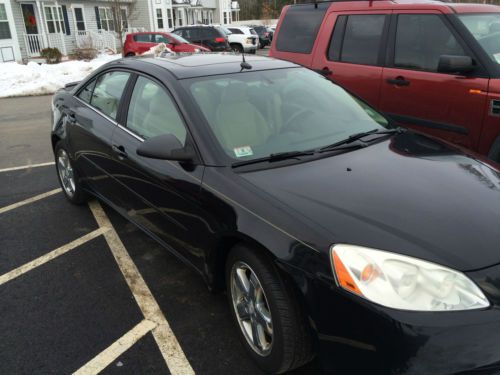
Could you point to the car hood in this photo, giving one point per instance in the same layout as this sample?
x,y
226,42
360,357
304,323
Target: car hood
x,y
409,194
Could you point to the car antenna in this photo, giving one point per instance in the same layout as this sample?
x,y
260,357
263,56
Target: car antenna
x,y
244,65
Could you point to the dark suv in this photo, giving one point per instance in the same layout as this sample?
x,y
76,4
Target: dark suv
x,y
264,37
429,65
207,36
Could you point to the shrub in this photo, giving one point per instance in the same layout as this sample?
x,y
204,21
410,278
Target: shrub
x,y
52,55
85,53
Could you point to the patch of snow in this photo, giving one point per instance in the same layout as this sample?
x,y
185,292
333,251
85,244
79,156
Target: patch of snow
x,y
34,79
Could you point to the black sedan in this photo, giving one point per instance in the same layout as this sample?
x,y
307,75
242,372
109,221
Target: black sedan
x,y
334,233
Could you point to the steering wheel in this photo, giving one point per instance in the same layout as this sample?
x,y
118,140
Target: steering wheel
x,y
289,124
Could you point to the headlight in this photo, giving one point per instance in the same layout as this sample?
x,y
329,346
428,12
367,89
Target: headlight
x,y
196,50
403,282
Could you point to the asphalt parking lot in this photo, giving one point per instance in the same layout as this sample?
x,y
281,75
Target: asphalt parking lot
x,y
82,290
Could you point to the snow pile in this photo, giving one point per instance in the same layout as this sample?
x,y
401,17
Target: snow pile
x,y
33,79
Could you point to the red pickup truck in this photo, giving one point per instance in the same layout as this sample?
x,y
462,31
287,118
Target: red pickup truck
x,y
427,65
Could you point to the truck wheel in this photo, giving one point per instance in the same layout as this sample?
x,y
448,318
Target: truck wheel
x,y
494,153
266,312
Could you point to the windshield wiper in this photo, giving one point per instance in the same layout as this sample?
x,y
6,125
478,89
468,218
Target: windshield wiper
x,y
274,157
349,142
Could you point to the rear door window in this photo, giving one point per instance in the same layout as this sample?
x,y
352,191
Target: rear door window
x,y
143,38
357,39
160,38
108,92
300,27
420,41
86,93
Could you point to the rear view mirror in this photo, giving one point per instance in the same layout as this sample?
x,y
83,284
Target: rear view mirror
x,y
455,64
165,147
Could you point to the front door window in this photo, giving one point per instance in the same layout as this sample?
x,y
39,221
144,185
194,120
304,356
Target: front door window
x,y
29,17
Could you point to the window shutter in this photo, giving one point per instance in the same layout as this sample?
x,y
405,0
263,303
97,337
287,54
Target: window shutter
x,y
66,21
97,18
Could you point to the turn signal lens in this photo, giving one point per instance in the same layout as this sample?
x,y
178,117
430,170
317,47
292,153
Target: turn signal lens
x,y
403,282
343,276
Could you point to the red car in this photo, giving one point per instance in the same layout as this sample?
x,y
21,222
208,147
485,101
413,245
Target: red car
x,y
428,65
138,43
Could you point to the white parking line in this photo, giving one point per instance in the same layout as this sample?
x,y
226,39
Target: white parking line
x,y
50,256
26,167
163,334
29,200
106,357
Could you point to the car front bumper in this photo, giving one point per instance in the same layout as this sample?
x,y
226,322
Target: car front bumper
x,y
355,335
249,48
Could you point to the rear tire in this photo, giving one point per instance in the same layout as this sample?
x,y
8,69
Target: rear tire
x,y
263,302
130,54
68,177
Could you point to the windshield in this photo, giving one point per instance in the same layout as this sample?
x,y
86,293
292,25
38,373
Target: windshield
x,y
256,114
225,30
179,38
485,28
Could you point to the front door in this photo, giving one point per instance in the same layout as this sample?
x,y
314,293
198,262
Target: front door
x,y
415,94
351,51
31,26
160,196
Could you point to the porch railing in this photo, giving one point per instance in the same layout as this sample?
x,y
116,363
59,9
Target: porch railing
x,y
35,43
99,40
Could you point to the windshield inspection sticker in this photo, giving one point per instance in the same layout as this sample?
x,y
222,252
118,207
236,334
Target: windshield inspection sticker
x,y
243,151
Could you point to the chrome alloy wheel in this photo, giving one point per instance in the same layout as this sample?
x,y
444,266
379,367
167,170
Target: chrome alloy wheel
x,y
66,172
251,308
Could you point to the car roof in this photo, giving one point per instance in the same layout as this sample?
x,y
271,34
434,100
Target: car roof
x,y
205,64
442,6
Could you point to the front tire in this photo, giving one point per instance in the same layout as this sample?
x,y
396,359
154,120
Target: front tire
x,y
271,325
237,48
68,177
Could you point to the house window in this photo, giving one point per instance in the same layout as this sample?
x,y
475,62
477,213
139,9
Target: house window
x,y
159,18
170,20
124,18
55,20
225,18
179,17
106,16
79,20
4,23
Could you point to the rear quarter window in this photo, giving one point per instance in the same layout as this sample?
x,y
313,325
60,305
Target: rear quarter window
x,y
300,27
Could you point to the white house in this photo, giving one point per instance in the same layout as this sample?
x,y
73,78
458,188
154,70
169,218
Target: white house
x,y
28,26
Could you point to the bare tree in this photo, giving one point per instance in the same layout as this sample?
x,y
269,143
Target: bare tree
x,y
121,11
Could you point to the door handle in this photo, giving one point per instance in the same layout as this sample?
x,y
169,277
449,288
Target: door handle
x,y
324,72
120,151
398,81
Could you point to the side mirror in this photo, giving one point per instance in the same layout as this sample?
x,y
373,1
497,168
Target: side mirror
x,y
455,64
166,147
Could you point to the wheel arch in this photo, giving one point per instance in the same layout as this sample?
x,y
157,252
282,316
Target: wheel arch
x,y
494,153
216,263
